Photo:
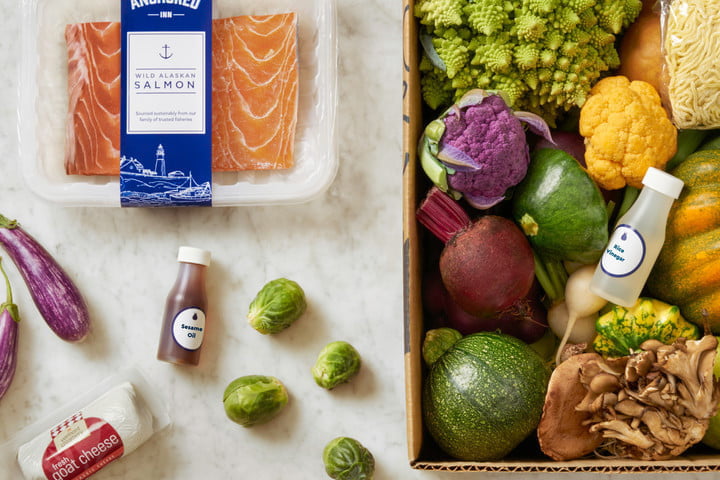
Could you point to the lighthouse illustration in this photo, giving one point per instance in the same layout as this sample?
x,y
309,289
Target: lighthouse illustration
x,y
160,161
141,186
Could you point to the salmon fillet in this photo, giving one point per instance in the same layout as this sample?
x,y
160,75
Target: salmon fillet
x,y
93,124
255,95
255,92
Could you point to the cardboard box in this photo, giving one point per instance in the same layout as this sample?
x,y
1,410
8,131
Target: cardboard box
x,y
423,454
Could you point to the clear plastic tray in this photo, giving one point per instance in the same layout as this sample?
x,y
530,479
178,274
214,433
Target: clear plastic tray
x,y
43,104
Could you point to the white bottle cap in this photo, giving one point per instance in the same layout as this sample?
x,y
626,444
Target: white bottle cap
x,y
194,255
663,182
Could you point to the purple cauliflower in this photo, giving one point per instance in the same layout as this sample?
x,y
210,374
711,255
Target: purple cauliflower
x,y
478,149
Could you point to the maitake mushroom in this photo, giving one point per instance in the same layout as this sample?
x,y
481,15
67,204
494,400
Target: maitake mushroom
x,y
651,405
562,432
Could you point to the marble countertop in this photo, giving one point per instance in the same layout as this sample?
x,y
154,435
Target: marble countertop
x,y
344,248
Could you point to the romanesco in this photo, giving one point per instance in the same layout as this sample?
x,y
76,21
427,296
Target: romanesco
x,y
544,55
487,17
440,13
453,50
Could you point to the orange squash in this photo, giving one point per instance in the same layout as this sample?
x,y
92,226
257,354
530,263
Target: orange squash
x,y
641,56
687,272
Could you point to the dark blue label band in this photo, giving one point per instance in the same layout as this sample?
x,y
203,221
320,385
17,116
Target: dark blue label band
x,y
166,100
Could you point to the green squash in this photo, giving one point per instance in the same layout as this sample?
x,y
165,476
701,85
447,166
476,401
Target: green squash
x,y
437,342
561,209
484,396
622,330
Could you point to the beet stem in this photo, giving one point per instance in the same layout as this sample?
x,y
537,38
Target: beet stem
x,y
442,215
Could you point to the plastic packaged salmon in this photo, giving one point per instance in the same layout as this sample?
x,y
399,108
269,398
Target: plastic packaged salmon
x,y
300,166
77,440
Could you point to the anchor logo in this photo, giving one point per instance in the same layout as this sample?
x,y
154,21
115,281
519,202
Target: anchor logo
x,y
165,54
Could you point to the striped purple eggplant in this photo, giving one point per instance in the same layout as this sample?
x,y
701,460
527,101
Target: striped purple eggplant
x,y
8,338
56,296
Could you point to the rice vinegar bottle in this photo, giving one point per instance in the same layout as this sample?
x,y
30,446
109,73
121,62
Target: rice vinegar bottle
x,y
636,241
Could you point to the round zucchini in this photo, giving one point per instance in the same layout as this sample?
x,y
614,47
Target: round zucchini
x,y
484,396
561,209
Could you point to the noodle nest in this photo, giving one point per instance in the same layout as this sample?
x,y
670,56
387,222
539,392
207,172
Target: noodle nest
x,y
692,53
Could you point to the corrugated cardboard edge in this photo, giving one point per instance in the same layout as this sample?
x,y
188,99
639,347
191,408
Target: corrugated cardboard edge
x,y
682,465
412,268
411,261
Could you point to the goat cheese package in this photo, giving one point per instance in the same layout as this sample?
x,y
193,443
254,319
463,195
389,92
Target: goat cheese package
x,y
78,441
108,428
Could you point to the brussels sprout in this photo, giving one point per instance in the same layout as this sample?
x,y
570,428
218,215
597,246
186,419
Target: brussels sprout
x,y
254,399
336,364
437,342
346,459
276,306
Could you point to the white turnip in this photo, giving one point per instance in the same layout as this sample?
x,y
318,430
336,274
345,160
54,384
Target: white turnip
x,y
583,330
580,303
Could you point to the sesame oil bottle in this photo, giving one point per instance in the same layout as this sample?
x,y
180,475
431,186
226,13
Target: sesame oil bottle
x,y
183,326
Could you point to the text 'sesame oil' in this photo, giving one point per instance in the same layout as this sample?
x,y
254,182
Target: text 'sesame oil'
x,y
184,322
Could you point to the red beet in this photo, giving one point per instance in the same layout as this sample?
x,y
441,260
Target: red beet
x,y
433,293
525,319
486,265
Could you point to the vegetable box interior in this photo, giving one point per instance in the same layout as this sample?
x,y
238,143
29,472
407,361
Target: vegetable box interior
x,y
423,454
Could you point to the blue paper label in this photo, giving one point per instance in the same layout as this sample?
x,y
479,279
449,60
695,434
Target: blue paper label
x,y
165,114
625,252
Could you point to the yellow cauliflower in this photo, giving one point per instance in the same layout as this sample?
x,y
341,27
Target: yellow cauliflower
x,y
626,131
